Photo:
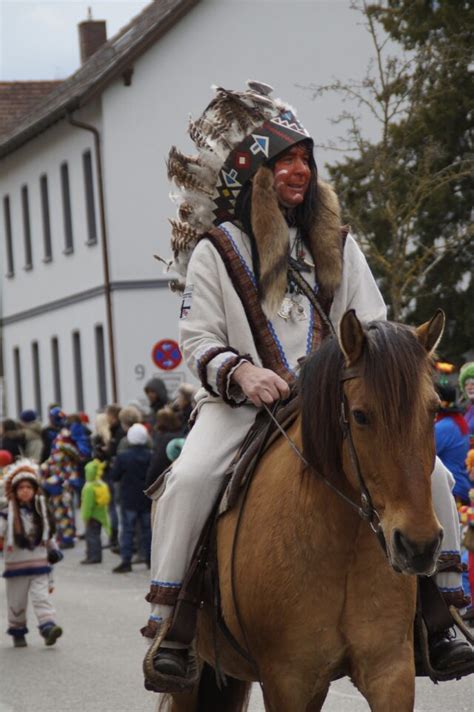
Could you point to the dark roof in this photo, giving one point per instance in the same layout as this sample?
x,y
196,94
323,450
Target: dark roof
x,y
18,98
110,61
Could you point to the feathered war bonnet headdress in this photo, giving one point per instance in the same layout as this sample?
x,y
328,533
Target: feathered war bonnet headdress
x,y
238,133
20,471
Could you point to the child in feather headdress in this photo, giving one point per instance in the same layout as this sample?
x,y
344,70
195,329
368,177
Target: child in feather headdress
x,y
29,551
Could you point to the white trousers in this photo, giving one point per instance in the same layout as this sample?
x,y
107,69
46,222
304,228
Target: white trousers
x,y
18,590
194,483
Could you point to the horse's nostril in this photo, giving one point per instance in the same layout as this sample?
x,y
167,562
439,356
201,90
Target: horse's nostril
x,y
419,554
401,544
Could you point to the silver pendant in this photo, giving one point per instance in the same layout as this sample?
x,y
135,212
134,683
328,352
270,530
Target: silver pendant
x,y
285,308
300,312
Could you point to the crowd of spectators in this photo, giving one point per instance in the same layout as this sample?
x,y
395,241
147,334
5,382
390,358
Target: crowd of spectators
x,y
102,470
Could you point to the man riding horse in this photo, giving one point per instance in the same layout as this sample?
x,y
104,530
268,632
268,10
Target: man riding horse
x,y
251,205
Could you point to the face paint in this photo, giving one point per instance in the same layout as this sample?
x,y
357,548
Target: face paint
x,y
292,175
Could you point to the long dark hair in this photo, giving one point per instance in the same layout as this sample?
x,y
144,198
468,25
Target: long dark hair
x,y
302,217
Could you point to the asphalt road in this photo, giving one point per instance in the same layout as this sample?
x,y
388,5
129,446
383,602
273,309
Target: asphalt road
x,y
96,665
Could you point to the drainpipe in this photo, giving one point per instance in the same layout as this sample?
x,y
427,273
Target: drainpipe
x,y
105,251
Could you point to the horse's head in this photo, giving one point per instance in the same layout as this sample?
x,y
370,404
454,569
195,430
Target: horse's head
x,y
383,388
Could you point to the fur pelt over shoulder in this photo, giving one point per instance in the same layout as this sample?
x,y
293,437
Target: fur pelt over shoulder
x,y
272,240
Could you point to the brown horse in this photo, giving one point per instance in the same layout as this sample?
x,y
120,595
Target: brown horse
x,y
317,597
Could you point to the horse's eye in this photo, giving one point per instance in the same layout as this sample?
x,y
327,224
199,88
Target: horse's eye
x,y
360,417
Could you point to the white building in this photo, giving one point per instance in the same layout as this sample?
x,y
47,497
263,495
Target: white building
x,y
84,192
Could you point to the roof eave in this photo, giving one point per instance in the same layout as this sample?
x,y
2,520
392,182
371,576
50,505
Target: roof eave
x,y
81,99
38,127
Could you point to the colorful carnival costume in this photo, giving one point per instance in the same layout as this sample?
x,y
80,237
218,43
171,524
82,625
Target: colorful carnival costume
x,y
233,241
29,550
60,473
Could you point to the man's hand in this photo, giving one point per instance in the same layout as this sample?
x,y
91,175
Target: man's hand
x,y
260,385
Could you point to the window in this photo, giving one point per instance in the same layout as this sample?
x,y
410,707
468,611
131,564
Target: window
x,y
101,367
77,358
8,236
67,214
36,376
90,201
17,375
25,206
48,251
56,370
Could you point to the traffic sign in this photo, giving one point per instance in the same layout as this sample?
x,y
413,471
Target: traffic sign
x,y
166,354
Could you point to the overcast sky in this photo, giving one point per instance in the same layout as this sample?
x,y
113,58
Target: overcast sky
x,y
39,40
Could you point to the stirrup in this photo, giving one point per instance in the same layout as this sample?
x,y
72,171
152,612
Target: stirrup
x,y
156,681
425,667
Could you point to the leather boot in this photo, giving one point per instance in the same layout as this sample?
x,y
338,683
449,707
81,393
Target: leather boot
x,y
171,661
447,650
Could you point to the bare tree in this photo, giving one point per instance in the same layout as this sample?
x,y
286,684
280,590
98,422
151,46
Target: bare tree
x,y
385,187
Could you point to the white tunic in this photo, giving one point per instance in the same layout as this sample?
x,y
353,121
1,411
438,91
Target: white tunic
x,y
213,315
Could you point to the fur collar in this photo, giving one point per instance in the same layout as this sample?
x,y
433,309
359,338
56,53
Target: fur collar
x,y
272,240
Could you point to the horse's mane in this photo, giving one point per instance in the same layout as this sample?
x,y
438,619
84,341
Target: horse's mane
x,y
392,367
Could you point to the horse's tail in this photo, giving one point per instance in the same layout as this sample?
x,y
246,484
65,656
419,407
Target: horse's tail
x,y
233,697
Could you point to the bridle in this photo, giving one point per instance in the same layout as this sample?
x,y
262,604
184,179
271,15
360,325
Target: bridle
x,y
365,509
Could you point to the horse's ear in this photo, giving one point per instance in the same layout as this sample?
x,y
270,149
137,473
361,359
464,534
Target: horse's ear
x,y
429,334
351,337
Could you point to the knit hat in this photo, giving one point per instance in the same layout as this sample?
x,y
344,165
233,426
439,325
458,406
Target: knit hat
x,y
467,371
174,447
27,416
137,434
236,136
57,417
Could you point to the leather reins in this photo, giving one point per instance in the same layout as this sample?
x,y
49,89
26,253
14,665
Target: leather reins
x,y
365,509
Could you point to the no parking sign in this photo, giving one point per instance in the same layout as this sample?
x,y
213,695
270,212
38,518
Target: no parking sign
x,y
166,354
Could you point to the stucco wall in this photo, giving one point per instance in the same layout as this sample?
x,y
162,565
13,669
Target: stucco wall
x,y
61,323
66,273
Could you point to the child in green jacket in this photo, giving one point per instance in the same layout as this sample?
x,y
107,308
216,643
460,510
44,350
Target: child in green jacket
x,y
95,498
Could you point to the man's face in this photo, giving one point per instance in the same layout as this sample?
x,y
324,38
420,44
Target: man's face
x,y
469,388
292,175
25,492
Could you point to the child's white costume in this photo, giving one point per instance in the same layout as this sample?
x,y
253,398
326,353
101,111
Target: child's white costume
x,y
29,547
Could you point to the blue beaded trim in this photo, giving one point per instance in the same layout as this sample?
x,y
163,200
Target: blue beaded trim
x,y
167,584
309,340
